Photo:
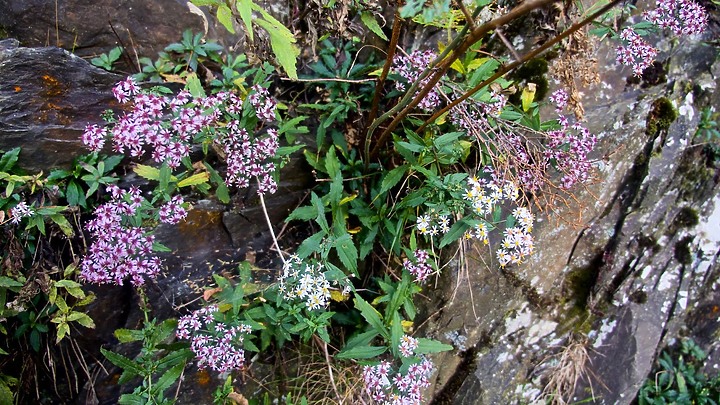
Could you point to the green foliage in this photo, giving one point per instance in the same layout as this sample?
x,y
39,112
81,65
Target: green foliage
x,y
107,60
282,41
159,364
681,379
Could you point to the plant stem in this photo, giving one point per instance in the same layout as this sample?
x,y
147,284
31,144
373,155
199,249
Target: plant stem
x,y
270,227
442,67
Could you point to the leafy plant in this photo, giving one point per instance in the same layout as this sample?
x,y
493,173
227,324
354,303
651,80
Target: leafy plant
x,y
681,379
107,60
159,364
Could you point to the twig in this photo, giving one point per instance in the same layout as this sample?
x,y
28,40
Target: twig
x,y
397,25
442,64
507,43
328,79
519,62
323,344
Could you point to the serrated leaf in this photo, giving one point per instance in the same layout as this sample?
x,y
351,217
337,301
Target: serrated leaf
x,y
130,366
372,316
392,178
8,159
195,179
282,42
167,379
310,245
362,352
369,20
224,15
304,213
347,252
147,172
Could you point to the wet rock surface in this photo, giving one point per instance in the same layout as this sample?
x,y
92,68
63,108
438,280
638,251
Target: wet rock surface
x,y
47,96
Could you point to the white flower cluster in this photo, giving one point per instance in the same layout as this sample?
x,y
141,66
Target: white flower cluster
x,y
483,197
306,282
518,242
433,224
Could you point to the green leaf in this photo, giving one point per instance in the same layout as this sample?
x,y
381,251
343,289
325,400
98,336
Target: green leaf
x,y
426,346
310,245
372,316
369,20
82,319
147,172
347,252
128,335
396,332
193,85
165,177
63,223
244,7
361,352
457,230
320,208
224,15
62,329
123,362
7,282
332,164
304,213
282,42
168,378
195,179
132,399
8,159
392,178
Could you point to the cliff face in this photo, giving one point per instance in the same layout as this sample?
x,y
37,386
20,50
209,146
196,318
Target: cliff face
x,y
612,286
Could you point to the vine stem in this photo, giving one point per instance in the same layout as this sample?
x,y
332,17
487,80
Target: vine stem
x,y
270,227
474,36
397,25
520,61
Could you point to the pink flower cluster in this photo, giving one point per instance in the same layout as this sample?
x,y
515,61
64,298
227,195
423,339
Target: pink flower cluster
x,y
408,345
249,156
173,212
169,126
387,387
421,269
682,17
568,149
560,99
410,67
119,251
636,52
216,345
